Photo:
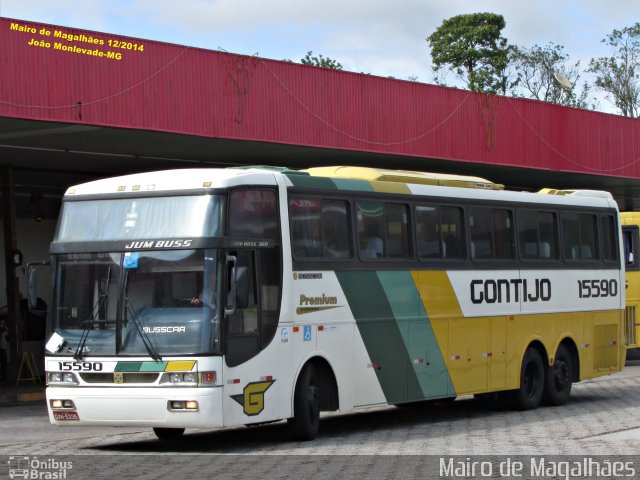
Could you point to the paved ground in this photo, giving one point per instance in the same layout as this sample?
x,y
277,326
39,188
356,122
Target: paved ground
x,y
602,418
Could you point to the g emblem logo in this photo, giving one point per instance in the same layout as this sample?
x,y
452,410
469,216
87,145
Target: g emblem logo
x,y
252,398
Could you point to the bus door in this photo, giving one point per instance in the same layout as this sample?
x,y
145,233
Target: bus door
x,y
251,318
631,242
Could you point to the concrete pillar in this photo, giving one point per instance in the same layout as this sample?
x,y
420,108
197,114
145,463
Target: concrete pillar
x,y
14,317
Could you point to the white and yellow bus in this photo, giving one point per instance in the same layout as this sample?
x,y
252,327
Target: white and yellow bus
x,y
631,241
219,297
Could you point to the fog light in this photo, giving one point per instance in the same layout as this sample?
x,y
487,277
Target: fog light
x,y
191,405
62,404
177,405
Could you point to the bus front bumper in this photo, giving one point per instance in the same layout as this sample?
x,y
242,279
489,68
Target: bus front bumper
x,y
137,407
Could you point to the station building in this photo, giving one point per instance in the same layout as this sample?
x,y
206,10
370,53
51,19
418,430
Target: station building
x,y
77,105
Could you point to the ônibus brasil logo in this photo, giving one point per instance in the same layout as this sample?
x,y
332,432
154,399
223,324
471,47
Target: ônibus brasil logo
x,y
30,468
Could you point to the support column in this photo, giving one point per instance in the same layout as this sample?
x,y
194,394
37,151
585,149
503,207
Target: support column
x,y
14,318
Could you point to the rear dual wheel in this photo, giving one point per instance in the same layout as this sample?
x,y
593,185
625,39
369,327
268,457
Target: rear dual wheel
x,y
558,378
532,383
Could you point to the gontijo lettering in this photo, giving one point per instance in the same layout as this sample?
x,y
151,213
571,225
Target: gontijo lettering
x,y
510,290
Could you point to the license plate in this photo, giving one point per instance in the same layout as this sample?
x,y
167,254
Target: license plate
x,y
66,415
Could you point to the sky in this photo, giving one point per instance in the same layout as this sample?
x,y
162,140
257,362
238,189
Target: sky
x,y
378,37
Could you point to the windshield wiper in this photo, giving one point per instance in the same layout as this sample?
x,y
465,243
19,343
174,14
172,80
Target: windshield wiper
x,y
153,353
88,324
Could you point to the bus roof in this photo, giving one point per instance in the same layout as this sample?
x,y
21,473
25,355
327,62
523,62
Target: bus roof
x,y
174,180
403,176
334,178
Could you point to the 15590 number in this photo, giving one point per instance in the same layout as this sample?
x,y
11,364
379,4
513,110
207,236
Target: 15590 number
x,y
80,366
597,288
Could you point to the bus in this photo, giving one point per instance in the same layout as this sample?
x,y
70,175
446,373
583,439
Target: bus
x,y
211,298
630,224
631,241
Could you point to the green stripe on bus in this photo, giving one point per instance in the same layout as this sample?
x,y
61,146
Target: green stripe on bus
x,y
380,333
353,185
153,367
420,341
128,366
307,181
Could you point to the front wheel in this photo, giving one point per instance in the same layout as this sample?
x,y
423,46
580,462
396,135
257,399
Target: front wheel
x,y
557,388
168,434
529,395
306,406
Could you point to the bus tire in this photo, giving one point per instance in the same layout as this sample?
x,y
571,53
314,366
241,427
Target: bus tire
x,y
558,378
529,395
168,434
306,406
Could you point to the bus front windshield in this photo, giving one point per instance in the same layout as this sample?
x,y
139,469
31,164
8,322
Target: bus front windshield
x,y
150,303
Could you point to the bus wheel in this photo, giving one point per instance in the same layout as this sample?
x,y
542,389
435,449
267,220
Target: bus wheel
x,y
529,395
306,406
557,388
168,434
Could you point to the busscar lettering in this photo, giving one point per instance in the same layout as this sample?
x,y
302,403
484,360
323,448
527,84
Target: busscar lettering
x,y
512,290
170,329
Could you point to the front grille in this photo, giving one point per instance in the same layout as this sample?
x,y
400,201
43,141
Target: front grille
x,y
128,377
630,335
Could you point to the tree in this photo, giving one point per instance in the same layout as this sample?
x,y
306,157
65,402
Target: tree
x,y
544,73
618,75
473,47
320,61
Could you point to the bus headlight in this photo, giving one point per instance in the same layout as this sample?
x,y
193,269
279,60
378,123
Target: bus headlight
x,y
62,378
189,378
179,378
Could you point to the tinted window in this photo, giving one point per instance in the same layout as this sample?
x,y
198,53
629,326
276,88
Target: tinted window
x,y
383,230
491,233
439,232
253,213
608,229
320,228
537,235
579,236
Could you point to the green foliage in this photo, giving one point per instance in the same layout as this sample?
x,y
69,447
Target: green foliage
x,y
320,61
537,70
618,75
472,46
